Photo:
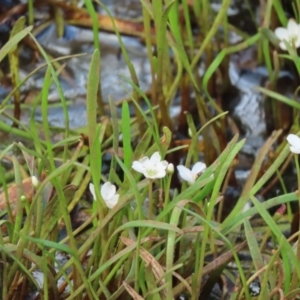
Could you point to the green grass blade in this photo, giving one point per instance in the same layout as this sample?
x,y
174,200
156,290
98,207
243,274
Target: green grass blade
x,y
254,251
126,135
287,249
279,97
13,42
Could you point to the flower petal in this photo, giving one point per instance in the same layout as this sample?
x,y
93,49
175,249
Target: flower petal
x,y
108,190
292,28
155,158
297,42
148,165
281,33
111,203
144,160
282,46
198,167
138,166
92,190
185,174
160,174
149,175
164,164
294,150
294,140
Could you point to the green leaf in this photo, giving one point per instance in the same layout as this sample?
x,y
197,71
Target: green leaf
x,y
50,244
13,42
254,251
53,211
287,250
126,134
249,213
279,97
91,95
36,260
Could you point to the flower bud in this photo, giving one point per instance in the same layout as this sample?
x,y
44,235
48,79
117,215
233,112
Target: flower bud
x,y
23,198
35,181
170,168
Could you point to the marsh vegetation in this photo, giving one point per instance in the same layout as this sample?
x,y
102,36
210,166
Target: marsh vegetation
x,y
149,149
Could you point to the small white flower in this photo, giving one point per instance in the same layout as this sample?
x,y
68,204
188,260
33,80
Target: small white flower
x,y
35,182
152,168
191,175
290,34
294,142
108,193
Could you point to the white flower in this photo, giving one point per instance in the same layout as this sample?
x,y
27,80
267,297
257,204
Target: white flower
x,y
291,34
152,168
191,175
294,142
108,193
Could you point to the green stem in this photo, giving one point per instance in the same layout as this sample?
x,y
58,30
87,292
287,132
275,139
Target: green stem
x,y
30,12
150,200
294,282
167,194
298,176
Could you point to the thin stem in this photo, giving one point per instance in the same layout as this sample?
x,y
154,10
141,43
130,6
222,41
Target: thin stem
x,y
167,194
294,282
298,176
30,12
150,200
